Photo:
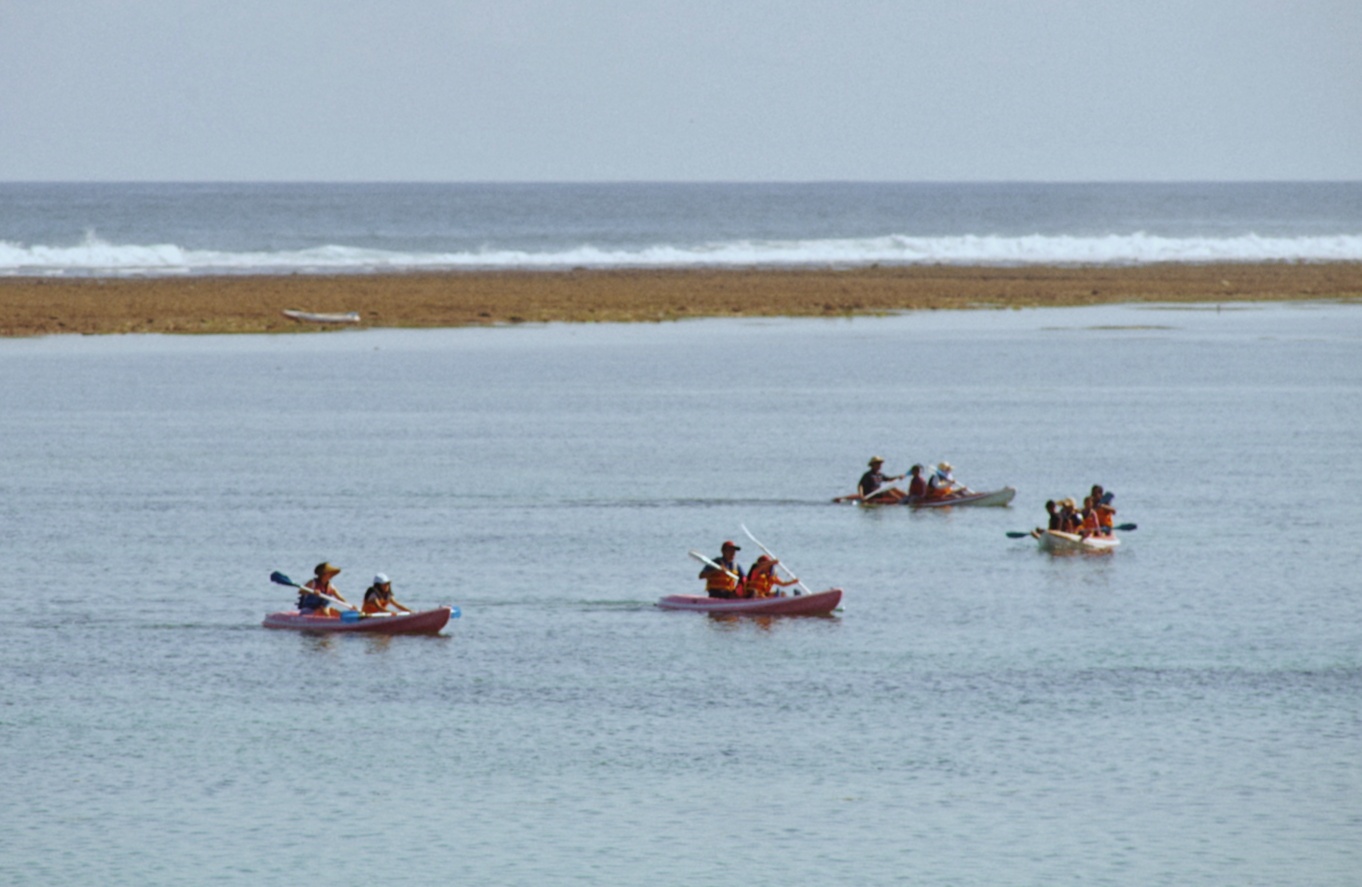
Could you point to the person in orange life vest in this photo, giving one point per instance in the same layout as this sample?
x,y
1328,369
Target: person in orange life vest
x,y
1106,512
873,479
762,579
727,581
315,604
917,487
1090,525
942,482
379,596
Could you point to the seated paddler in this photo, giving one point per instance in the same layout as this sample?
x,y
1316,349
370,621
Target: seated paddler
x,y
310,600
762,579
871,486
378,597
917,487
942,483
727,580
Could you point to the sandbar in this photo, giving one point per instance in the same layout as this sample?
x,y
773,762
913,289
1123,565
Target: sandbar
x,y
31,306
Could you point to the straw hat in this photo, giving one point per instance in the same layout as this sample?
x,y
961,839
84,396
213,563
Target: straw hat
x,y
875,460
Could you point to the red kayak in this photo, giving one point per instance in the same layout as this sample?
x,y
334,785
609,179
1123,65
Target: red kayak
x,y
425,622
818,604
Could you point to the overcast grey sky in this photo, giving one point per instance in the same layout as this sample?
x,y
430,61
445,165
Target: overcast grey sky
x,y
718,90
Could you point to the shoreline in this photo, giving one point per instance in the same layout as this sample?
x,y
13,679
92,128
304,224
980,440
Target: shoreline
x,y
33,306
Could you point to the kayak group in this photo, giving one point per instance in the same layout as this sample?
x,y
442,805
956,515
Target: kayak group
x,y
1097,517
316,596
725,579
728,587
939,485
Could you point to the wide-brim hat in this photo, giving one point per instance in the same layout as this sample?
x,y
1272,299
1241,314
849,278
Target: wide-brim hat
x,y
326,568
875,460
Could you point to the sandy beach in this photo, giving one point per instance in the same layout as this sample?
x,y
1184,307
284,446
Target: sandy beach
x,y
42,306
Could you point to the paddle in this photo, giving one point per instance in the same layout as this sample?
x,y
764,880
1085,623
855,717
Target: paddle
x,y
778,561
351,614
1124,528
704,560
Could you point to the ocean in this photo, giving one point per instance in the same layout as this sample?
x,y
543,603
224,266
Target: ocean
x,y
176,229
1184,711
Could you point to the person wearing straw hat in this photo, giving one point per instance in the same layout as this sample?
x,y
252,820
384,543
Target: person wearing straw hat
x,y
868,489
310,600
942,482
379,596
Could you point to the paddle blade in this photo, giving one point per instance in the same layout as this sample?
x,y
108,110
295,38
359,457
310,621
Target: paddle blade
x,y
1016,535
1125,528
351,616
455,612
280,579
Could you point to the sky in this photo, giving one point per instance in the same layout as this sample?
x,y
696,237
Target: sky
x,y
690,90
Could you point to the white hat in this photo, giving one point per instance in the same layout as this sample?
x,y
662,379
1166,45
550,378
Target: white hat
x,y
381,579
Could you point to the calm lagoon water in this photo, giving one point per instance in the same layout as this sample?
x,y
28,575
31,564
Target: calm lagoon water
x,y
1186,711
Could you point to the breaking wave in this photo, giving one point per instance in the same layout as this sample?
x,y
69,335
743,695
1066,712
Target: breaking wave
x,y
94,257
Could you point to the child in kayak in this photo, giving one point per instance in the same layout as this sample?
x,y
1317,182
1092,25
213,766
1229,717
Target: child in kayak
x,y
917,487
761,579
310,600
379,596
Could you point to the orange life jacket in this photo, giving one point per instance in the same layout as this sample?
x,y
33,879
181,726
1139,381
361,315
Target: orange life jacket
x,y
718,580
759,584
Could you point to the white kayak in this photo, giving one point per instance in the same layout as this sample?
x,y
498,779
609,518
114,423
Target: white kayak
x,y
964,497
1063,543
313,317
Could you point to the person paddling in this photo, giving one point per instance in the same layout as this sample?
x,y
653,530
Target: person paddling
x,y
310,600
871,482
761,579
942,483
727,581
379,596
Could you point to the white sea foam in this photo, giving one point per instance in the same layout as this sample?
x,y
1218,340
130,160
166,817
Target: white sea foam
x,y
96,257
